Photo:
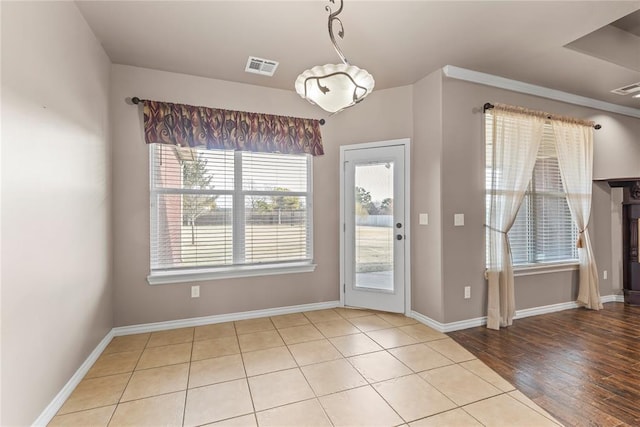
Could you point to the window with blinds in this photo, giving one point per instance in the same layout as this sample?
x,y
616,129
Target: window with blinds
x,y
224,209
543,232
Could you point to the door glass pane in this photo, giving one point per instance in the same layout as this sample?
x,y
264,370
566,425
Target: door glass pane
x,y
374,226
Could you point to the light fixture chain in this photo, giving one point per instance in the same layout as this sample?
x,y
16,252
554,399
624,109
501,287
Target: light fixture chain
x,y
333,16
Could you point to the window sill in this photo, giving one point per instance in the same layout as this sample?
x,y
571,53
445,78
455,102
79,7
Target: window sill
x,y
162,278
529,270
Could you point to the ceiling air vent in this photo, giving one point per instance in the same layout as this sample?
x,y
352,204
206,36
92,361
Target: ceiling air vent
x,y
266,67
626,90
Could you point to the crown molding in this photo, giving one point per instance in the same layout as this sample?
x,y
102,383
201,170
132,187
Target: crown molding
x,y
531,89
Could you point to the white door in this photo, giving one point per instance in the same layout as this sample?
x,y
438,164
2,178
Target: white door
x,y
374,229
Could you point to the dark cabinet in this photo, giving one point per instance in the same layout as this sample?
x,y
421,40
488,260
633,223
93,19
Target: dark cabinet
x,y
631,243
630,237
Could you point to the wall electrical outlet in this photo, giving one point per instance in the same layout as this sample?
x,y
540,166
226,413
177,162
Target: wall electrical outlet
x,y
458,220
467,292
195,291
605,274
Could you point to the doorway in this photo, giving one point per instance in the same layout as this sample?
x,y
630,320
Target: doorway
x,y
374,206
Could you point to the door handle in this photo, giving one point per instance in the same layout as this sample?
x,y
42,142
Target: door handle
x,y
399,237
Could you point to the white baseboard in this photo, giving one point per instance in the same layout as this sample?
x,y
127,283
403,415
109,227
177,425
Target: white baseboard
x,y
220,318
50,411
426,320
536,311
520,314
451,326
613,298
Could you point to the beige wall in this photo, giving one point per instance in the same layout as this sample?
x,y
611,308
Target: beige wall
x,y
617,154
386,114
56,227
444,118
426,197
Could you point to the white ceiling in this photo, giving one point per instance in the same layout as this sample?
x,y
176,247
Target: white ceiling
x,y
399,42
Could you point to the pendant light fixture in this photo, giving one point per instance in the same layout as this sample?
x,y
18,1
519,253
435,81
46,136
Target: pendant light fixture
x,y
334,87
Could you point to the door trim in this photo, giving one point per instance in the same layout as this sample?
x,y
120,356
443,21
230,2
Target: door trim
x,y
406,143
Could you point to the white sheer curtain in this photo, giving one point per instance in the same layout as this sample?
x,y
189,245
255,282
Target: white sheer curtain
x,y
574,142
516,136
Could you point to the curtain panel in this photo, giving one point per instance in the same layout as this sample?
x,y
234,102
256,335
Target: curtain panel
x,y
214,128
574,143
516,137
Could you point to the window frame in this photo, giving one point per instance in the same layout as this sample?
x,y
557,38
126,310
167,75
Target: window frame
x,y
529,268
238,193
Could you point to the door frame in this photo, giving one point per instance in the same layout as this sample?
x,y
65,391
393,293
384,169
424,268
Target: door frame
x,y
406,143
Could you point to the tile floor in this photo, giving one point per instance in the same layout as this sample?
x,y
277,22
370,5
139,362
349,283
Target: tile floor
x,y
338,367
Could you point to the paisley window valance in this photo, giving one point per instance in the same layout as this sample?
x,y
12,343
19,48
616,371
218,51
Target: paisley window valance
x,y
215,128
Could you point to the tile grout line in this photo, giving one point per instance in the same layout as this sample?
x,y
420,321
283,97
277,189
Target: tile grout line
x,y
481,400
368,384
457,406
469,370
186,392
316,397
246,374
479,422
389,404
129,380
412,373
225,381
103,376
144,398
546,413
343,358
87,409
146,369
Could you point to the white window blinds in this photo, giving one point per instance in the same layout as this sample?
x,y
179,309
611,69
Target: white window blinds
x,y
543,231
221,208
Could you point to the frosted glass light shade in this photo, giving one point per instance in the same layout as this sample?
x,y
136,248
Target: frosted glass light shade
x,y
334,87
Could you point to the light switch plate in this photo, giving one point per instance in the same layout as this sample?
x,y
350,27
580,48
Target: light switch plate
x,y
458,220
195,291
424,219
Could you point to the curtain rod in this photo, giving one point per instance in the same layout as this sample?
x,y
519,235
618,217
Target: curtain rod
x,y
137,100
489,106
